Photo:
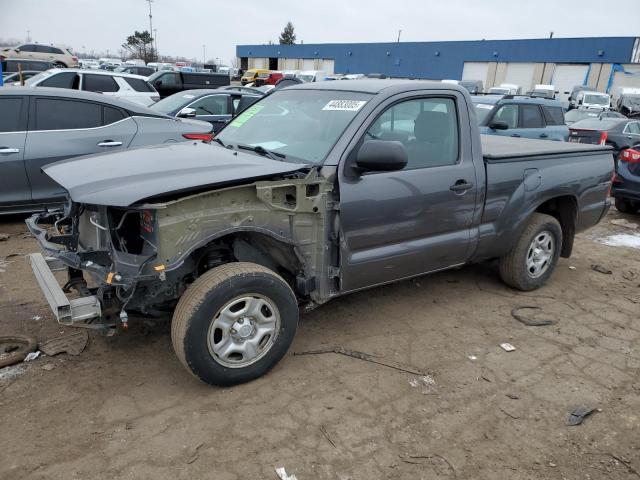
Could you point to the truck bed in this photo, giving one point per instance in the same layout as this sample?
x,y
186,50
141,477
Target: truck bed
x,y
496,148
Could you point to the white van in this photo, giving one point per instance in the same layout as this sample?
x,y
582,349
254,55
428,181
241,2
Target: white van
x,y
312,76
544,91
505,89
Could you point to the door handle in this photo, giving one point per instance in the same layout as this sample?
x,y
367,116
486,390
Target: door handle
x,y
7,150
110,143
461,186
515,135
544,135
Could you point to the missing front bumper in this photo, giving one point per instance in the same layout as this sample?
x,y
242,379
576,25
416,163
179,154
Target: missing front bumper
x,y
71,312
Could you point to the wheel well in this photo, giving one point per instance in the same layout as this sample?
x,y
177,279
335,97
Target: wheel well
x,y
565,210
253,247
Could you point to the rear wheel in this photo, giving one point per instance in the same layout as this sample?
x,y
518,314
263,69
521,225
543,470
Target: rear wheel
x,y
234,323
627,206
535,255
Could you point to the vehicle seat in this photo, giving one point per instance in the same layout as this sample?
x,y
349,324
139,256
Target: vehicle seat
x,y
430,144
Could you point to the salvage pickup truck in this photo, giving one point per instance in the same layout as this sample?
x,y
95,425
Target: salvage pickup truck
x,y
315,191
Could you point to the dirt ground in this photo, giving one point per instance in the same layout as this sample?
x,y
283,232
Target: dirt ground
x,y
126,408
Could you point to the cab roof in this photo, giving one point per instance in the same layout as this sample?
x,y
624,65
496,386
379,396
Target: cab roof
x,y
375,86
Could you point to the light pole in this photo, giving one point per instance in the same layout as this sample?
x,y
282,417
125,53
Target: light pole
x,y
28,36
155,39
204,55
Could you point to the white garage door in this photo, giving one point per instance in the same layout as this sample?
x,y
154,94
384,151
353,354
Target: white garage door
x,y
565,77
629,79
290,64
259,63
475,71
327,65
308,64
520,74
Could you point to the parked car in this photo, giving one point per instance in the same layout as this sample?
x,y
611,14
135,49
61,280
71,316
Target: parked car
x,y
88,64
217,106
575,115
474,86
521,117
12,65
167,82
309,197
544,91
44,125
626,183
133,88
619,133
141,70
250,75
60,56
574,93
15,77
267,78
629,104
312,75
590,99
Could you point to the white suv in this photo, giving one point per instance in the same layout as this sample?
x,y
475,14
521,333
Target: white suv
x,y
122,85
56,54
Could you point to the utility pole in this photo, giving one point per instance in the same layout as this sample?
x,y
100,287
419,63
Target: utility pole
x,y
28,36
399,32
204,54
150,17
155,39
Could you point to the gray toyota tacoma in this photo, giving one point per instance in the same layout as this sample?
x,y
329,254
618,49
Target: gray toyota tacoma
x,y
316,191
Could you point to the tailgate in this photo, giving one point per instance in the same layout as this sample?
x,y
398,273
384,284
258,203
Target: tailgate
x,y
592,137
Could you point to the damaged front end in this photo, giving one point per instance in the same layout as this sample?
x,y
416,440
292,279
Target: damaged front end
x,y
115,247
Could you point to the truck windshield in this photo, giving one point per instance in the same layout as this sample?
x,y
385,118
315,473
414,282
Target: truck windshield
x,y
596,99
302,125
482,111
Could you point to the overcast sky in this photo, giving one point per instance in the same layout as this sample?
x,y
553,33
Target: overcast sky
x,y
183,26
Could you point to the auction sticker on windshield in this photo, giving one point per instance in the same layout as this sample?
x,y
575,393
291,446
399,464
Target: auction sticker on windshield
x,y
246,115
344,105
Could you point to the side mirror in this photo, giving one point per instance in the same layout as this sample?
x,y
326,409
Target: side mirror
x,y
187,112
499,125
381,156
17,50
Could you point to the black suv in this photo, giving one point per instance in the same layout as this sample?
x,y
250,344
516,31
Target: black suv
x,y
168,83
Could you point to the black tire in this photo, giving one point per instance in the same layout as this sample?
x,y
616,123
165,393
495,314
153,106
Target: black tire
x,y
514,269
626,206
202,303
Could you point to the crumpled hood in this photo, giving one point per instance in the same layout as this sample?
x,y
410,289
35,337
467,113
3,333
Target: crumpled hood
x,y
124,178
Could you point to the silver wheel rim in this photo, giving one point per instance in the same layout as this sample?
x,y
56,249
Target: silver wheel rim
x,y
243,330
540,254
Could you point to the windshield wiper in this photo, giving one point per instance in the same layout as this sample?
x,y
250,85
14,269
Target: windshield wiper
x,y
260,150
217,140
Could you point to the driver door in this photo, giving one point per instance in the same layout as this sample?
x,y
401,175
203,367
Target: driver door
x,y
403,223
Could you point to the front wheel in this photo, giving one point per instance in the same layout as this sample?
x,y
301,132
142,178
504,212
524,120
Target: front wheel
x,y
234,323
534,257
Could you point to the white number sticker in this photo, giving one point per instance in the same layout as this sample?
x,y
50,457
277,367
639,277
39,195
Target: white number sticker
x,y
344,105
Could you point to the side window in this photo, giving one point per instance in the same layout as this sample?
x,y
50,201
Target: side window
x,y
138,85
57,51
62,80
27,48
239,104
427,127
58,114
507,113
634,128
112,115
530,117
214,105
553,115
170,79
11,108
99,83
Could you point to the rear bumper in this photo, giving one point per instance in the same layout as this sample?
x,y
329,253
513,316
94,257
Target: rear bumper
x,y
67,311
626,193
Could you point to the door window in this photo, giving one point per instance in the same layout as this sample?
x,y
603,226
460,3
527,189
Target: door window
x,y
11,109
59,114
139,85
428,129
62,80
27,48
553,115
634,128
507,113
112,115
213,105
99,83
170,79
530,117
